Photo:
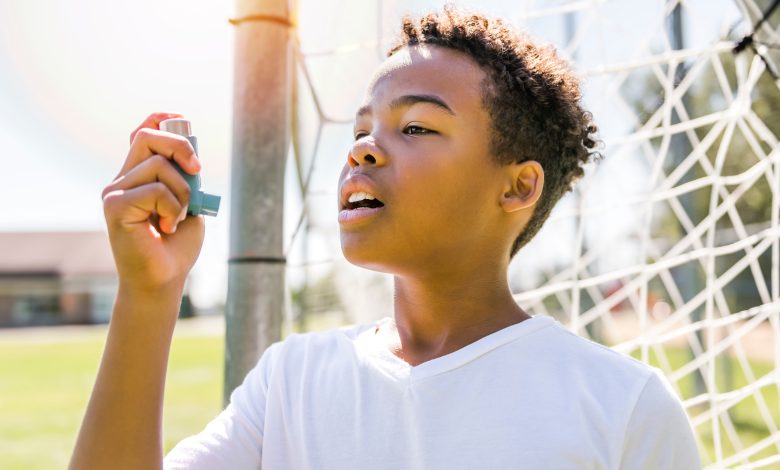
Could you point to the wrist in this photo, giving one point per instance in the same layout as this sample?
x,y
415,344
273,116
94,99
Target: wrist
x,y
173,289
141,304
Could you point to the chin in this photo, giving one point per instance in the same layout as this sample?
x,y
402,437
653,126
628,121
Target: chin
x,y
365,254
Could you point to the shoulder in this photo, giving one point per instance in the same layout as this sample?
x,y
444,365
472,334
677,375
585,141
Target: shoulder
x,y
638,399
603,378
659,433
312,347
317,340
596,360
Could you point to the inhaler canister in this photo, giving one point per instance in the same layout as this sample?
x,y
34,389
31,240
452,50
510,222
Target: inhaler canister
x,y
200,203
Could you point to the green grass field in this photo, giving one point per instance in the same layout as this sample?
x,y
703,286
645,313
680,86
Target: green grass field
x,y
45,384
45,387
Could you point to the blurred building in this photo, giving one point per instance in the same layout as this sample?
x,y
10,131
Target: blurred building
x,y
50,278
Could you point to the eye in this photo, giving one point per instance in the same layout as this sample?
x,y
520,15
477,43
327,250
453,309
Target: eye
x,y
359,134
416,130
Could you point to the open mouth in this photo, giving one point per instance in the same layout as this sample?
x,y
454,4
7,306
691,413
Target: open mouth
x,y
362,201
359,207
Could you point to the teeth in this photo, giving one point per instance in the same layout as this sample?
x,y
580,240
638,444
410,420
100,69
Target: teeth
x,y
355,197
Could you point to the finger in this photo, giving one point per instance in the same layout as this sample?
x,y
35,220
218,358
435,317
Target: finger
x,y
155,168
191,223
153,122
129,207
150,142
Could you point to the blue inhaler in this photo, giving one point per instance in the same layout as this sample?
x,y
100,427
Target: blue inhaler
x,y
200,203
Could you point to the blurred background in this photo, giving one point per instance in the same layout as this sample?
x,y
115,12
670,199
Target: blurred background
x,y
666,250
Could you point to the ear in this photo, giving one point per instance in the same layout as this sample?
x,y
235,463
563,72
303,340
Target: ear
x,y
524,185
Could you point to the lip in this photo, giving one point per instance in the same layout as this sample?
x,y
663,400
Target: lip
x,y
355,183
353,216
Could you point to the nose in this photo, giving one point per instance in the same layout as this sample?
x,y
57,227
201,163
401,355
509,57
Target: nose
x,y
365,151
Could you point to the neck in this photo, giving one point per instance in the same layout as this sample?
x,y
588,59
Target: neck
x,y
439,314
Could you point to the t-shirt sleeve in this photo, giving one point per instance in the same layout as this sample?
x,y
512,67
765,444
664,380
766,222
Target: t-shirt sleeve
x,y
234,439
659,435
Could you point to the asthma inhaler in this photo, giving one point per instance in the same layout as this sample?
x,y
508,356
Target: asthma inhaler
x,y
200,203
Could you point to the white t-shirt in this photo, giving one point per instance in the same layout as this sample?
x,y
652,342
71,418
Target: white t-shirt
x,y
530,396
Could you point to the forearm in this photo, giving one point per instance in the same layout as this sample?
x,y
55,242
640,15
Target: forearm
x,y
122,427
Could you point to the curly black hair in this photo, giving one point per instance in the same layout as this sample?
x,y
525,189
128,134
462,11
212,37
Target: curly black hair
x,y
531,94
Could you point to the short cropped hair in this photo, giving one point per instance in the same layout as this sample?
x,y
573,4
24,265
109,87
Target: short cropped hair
x,y
532,97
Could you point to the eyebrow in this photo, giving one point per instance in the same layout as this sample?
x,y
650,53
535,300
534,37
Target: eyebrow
x,y
410,100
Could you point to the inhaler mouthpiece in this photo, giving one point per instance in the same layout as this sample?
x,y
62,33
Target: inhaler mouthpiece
x,y
200,203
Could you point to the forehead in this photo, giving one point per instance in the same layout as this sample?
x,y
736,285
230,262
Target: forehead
x,y
428,70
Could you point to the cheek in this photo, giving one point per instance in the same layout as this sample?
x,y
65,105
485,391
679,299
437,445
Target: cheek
x,y
344,171
447,195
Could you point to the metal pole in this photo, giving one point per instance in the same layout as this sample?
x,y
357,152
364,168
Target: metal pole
x,y
300,320
261,139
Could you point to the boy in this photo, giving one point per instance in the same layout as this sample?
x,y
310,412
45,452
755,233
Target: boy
x,y
469,135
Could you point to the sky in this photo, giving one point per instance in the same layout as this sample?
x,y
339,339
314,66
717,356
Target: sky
x,y
77,77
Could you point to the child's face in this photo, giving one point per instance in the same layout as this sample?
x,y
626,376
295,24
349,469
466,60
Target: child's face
x,y
422,149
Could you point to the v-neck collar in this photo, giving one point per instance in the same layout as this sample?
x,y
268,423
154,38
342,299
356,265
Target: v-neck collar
x,y
402,371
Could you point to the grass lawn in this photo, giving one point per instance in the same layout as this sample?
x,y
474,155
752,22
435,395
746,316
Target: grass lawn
x,y
47,374
46,384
